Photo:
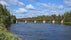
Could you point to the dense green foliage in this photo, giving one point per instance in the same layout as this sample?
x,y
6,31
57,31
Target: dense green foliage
x,y
67,18
6,19
52,16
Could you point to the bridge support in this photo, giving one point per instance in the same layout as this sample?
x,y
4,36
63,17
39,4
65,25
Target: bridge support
x,y
35,21
44,21
53,21
16,21
25,21
61,21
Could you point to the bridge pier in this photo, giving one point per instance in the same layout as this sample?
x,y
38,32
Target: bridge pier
x,y
44,21
35,21
16,21
62,21
25,21
53,21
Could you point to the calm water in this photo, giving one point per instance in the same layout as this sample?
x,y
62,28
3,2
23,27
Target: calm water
x,y
31,31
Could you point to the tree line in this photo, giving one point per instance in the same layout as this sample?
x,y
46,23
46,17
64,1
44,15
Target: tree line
x,y
66,16
6,19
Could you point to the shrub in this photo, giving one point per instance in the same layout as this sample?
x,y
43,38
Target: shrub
x,y
7,36
5,21
67,23
2,27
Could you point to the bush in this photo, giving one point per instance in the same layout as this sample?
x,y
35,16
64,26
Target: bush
x,y
2,27
7,36
67,23
5,21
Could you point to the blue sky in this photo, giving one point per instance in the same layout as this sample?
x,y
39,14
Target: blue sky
x,y
33,8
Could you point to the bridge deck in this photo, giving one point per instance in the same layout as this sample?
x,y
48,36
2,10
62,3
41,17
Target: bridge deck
x,y
40,19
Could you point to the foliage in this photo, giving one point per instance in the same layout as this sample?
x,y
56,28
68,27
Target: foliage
x,y
13,19
7,36
51,16
2,27
6,19
67,23
67,18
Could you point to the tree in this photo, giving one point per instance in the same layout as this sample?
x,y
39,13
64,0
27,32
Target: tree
x,y
67,18
5,22
5,17
53,16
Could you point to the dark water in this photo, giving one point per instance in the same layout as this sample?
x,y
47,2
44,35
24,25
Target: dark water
x,y
31,31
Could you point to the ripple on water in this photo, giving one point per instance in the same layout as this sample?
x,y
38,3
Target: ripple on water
x,y
31,31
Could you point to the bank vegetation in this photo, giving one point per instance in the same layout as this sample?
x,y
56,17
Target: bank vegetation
x,y
6,19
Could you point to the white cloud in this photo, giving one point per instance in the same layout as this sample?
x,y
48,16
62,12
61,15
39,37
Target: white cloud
x,y
13,1
67,2
4,3
20,16
43,4
21,3
51,6
30,6
16,2
21,10
61,7
53,12
34,13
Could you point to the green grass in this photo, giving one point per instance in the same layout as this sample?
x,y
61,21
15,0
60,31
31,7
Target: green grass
x,y
6,35
67,23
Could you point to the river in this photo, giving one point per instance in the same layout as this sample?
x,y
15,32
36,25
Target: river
x,y
40,31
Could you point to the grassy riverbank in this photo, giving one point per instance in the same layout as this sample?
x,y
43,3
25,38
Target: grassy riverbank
x,y
6,19
67,23
6,35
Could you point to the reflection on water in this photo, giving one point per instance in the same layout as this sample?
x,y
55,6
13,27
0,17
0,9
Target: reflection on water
x,y
31,31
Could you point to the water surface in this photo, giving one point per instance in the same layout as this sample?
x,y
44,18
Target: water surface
x,y
39,31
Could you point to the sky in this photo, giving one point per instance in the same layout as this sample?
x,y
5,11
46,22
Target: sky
x,y
33,8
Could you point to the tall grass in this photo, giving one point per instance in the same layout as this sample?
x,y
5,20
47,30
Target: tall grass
x,y
6,35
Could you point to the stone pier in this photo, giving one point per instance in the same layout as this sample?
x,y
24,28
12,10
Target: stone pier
x,y
35,21
25,21
53,21
44,21
16,21
61,21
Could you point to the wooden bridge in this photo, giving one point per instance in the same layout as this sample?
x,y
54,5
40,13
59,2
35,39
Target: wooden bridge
x,y
43,19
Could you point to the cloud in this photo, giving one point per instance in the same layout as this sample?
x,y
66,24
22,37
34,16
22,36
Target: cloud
x,y
43,4
34,13
20,15
67,2
13,1
20,10
4,3
54,12
61,7
16,2
30,6
21,3
51,6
